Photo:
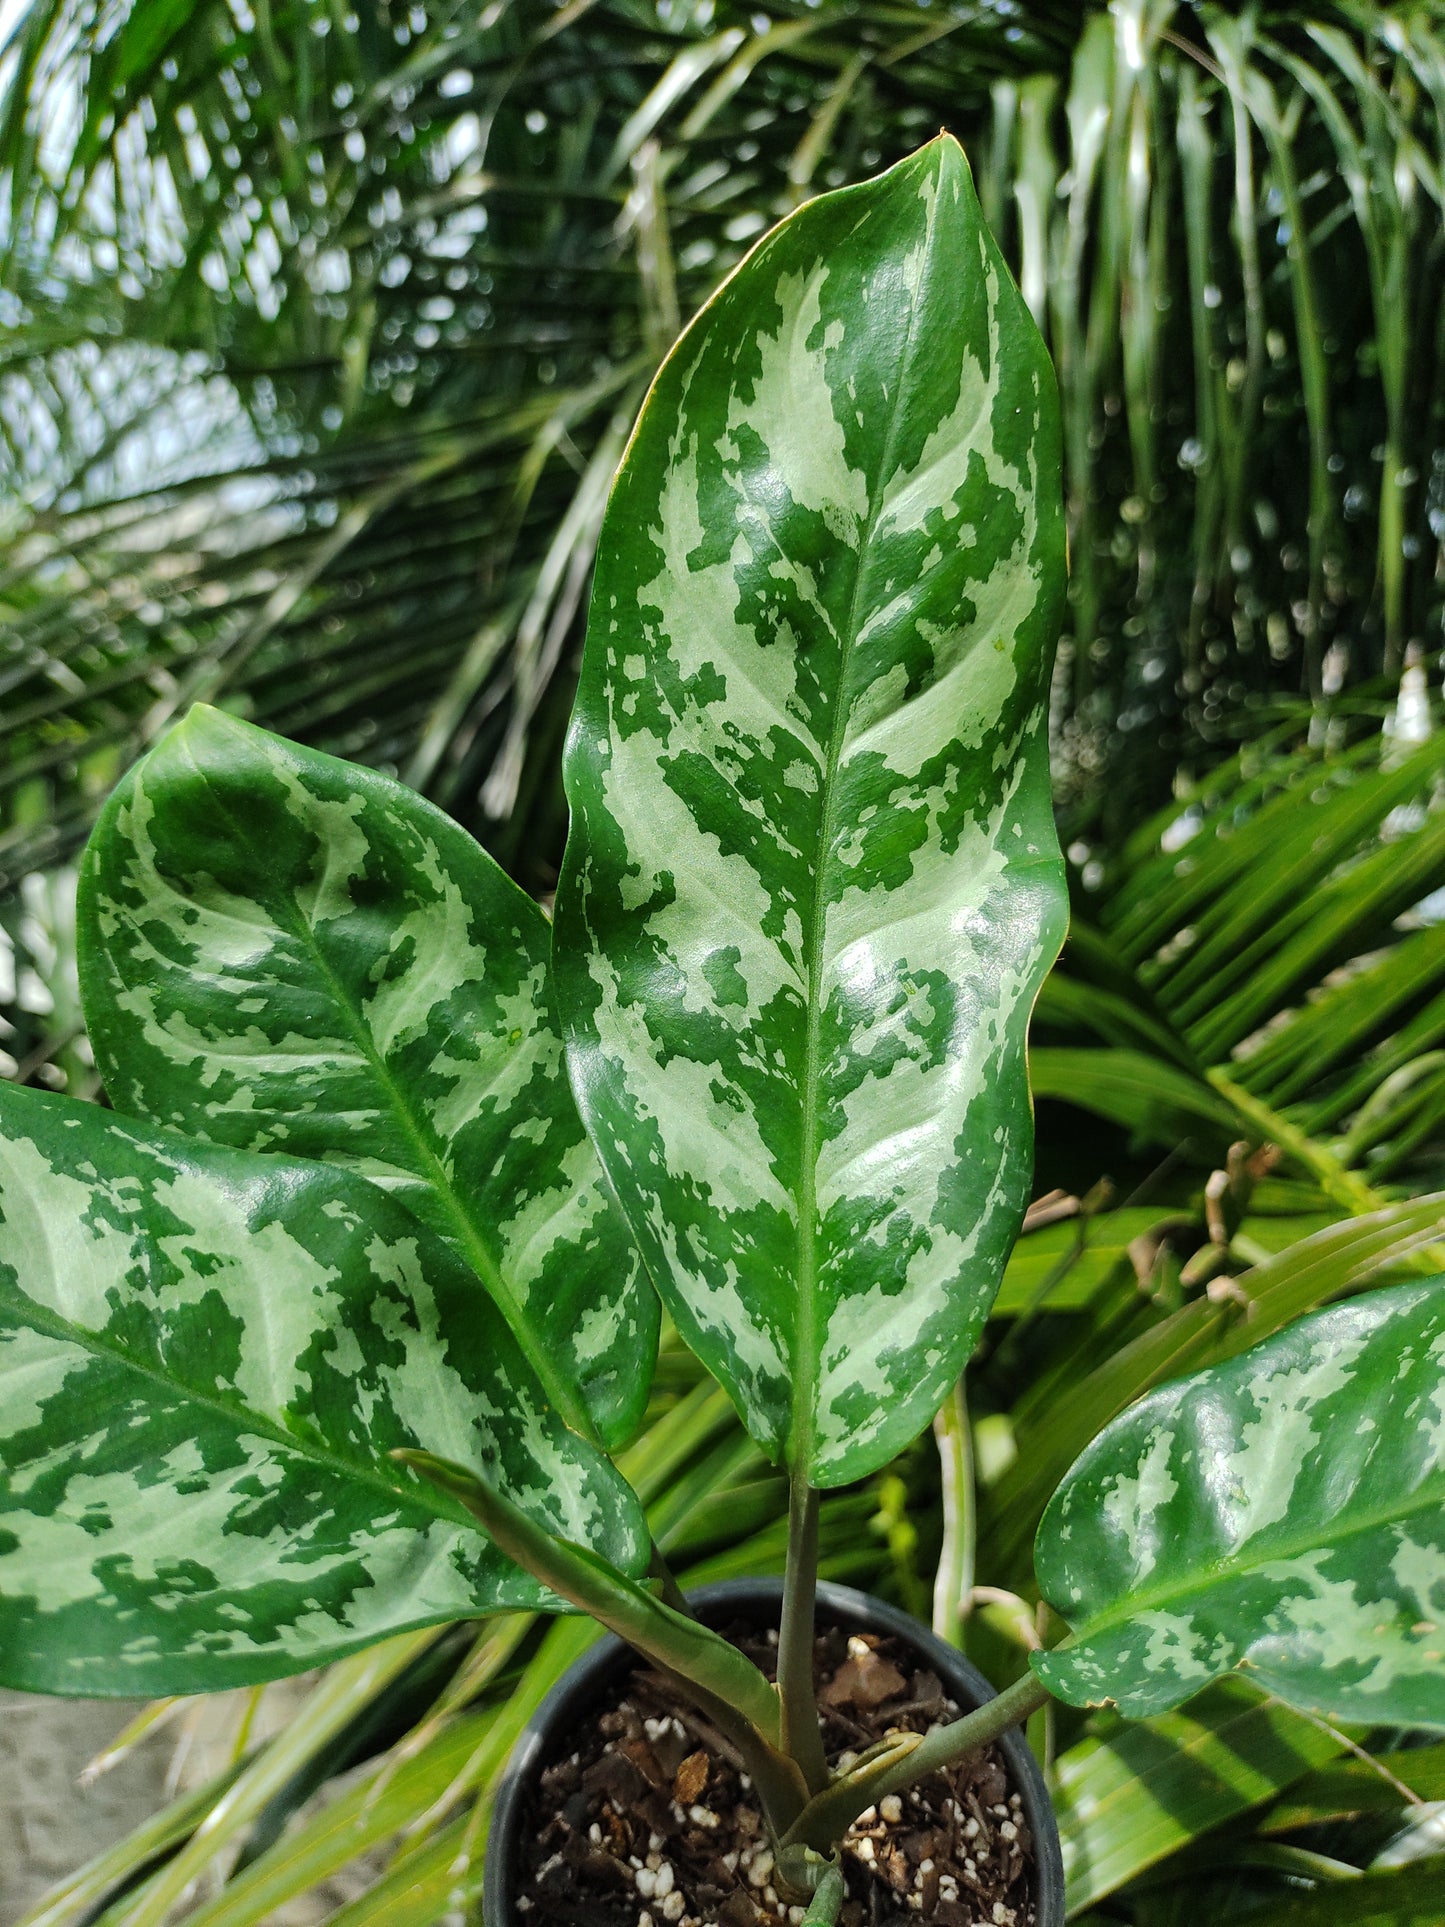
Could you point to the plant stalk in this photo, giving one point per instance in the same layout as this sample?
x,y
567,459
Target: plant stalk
x,y
775,1777
802,1738
953,1586
829,1814
671,1593
732,1692
827,1900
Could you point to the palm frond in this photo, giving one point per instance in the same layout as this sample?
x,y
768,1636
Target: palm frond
x,y
310,338
392,290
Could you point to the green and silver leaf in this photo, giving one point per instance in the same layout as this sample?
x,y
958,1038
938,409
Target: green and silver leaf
x,y
285,952
1282,1513
205,1358
812,883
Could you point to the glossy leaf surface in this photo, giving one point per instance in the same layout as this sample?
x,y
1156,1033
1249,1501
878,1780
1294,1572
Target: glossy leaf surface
x,y
205,1358
813,884
1282,1513
285,952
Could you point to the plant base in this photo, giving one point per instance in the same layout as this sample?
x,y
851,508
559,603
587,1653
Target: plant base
x,y
622,1807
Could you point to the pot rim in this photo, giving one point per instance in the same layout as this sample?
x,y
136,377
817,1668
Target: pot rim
x,y
587,1678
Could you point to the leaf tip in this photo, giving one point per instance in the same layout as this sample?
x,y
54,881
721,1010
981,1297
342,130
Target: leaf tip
x,y
205,719
944,156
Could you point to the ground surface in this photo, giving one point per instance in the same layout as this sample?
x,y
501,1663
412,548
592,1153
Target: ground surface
x,y
48,1825
51,1825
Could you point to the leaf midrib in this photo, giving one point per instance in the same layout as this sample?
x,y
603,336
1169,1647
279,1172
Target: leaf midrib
x,y
806,1355
1224,1571
433,1172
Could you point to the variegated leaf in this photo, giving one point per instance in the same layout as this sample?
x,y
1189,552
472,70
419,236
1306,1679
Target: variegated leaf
x,y
1282,1513
205,1358
812,884
281,951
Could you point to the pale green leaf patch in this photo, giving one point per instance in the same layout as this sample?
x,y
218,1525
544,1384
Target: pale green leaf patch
x,y
284,952
812,884
1282,1513
206,1357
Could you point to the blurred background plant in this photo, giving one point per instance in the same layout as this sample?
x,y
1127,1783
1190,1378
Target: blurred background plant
x,y
322,324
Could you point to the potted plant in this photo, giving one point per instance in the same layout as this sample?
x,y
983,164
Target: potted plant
x,y
331,1327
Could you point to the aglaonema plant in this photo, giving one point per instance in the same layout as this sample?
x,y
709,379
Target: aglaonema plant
x,y
329,1328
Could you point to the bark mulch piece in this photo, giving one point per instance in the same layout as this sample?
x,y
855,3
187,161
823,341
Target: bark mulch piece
x,y
651,1822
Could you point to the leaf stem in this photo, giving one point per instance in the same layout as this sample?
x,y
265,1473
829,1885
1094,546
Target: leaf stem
x,y
672,1593
802,1739
829,1814
953,1587
732,1692
827,1900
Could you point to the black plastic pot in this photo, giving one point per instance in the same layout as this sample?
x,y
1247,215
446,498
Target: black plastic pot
x,y
572,1699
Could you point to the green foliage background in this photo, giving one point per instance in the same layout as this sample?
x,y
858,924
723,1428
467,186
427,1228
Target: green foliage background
x,y
321,329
